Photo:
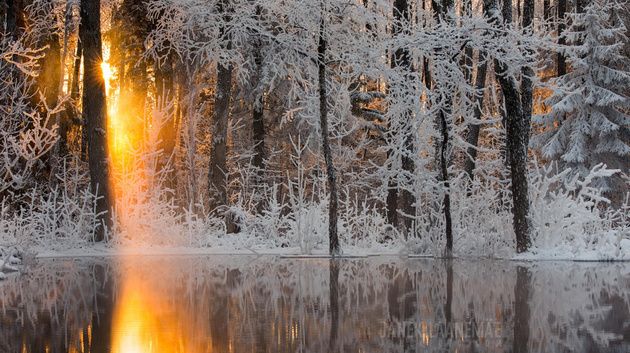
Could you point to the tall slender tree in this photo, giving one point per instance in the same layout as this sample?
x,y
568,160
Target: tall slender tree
x,y
443,10
333,237
473,131
217,172
517,135
95,113
401,59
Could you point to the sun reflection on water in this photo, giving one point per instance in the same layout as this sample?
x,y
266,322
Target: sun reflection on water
x,y
148,319
146,316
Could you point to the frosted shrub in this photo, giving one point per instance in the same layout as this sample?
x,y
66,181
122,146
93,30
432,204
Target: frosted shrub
x,y
308,218
481,220
567,214
271,224
64,216
364,225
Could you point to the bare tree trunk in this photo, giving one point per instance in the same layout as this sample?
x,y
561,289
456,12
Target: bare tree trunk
x,y
217,173
442,12
323,118
258,135
444,162
515,143
12,18
72,112
258,123
392,201
95,113
217,176
506,11
562,61
527,85
473,132
401,58
65,119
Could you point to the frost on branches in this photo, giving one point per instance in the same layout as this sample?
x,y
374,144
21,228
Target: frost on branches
x,y
25,135
588,123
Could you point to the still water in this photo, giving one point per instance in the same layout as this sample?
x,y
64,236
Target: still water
x,y
273,304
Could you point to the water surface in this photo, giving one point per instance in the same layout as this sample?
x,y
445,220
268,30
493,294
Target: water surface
x,y
273,304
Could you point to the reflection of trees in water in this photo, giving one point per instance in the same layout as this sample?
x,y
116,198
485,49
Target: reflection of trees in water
x,y
574,307
53,307
268,304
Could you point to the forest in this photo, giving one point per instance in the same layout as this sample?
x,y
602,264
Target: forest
x,y
469,128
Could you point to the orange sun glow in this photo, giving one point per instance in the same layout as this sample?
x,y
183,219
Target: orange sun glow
x,y
108,74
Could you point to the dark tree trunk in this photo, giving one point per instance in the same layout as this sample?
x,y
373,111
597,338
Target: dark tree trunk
x,y
217,176
562,61
258,124
442,12
76,71
12,18
323,118
517,156
467,59
217,173
392,201
401,58
258,135
516,143
444,162
72,112
506,11
473,132
527,85
95,113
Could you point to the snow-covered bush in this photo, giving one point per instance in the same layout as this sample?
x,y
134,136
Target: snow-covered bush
x,y
63,218
481,217
570,216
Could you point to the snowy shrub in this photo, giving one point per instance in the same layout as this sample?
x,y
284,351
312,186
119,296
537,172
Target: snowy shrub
x,y
64,217
568,217
271,225
482,223
364,226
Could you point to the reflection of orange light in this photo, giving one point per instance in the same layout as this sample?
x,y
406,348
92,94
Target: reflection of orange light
x,y
148,320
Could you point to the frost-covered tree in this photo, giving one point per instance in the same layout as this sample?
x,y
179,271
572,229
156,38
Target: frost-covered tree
x,y
27,128
517,126
588,121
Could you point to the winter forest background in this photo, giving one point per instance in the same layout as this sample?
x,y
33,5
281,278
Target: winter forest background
x,y
330,125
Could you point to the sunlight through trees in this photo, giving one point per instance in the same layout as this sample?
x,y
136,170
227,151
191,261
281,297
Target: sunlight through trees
x,y
386,125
